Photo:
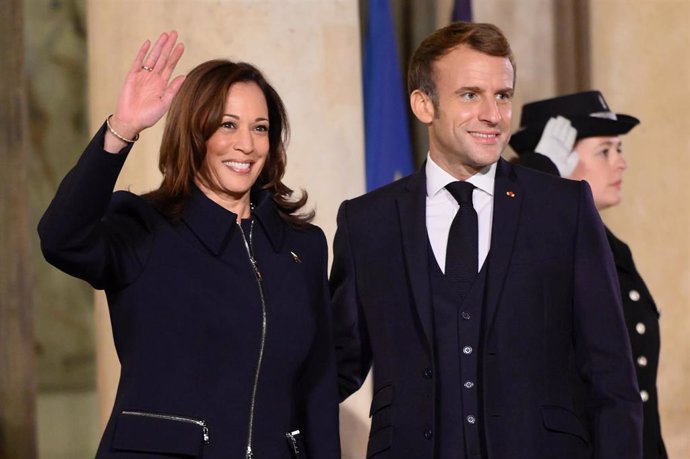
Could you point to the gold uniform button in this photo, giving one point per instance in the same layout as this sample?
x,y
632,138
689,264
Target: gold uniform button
x,y
634,295
642,361
640,328
644,395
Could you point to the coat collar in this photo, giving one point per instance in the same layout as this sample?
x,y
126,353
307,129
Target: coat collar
x,y
621,252
213,225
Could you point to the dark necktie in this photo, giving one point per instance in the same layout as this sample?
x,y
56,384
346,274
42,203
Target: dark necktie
x,y
461,253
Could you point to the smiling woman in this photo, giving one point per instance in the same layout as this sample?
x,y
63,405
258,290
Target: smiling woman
x,y
216,281
237,151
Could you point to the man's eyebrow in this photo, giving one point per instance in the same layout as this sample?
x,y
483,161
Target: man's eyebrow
x,y
468,89
477,89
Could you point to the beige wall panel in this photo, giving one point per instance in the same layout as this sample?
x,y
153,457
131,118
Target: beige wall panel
x,y
309,50
529,26
641,62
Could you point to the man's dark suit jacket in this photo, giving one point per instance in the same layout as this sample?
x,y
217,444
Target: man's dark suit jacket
x,y
556,376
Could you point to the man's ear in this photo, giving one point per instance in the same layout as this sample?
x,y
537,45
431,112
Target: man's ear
x,y
422,106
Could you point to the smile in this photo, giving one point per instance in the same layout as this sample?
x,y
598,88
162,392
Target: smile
x,y
483,135
237,166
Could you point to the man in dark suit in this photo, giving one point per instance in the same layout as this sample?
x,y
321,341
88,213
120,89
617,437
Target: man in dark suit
x,y
495,331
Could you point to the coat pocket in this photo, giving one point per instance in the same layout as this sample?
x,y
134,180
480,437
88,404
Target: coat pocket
x,y
380,441
382,398
150,432
380,412
381,432
559,419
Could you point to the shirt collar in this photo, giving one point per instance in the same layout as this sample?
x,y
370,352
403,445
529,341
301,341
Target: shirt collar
x,y
437,178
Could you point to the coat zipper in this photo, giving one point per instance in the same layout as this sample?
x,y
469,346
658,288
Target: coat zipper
x,y
169,417
248,245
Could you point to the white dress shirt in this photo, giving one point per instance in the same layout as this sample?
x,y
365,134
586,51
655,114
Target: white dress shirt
x,y
441,208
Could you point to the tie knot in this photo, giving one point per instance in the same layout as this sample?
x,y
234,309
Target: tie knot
x,y
461,191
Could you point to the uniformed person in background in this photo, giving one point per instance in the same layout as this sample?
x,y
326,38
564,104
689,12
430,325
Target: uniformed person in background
x,y
577,136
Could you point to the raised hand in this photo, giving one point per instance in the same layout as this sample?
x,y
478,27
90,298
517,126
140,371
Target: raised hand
x,y
556,143
147,91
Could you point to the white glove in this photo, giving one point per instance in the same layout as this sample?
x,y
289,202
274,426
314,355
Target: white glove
x,y
557,142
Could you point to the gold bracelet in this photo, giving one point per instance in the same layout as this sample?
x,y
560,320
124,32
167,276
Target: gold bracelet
x,y
112,131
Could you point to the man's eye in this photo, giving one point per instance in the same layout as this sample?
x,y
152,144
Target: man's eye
x,y
469,96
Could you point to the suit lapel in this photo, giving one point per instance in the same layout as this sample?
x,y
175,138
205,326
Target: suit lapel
x,y
412,215
508,196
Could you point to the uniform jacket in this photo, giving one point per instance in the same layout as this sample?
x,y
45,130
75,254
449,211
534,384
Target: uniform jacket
x,y
642,321
556,377
187,320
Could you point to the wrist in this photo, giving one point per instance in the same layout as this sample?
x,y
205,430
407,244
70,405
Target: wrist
x,y
121,129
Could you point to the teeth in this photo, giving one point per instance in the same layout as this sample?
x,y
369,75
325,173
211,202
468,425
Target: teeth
x,y
484,136
237,165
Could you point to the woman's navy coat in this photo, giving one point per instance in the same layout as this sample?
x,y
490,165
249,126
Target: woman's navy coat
x,y
187,319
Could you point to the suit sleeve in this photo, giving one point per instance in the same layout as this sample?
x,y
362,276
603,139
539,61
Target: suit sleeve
x,y
321,432
602,348
352,345
79,236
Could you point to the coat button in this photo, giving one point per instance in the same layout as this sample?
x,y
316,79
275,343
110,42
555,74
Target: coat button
x,y
634,295
640,328
466,315
471,419
428,373
468,384
644,395
428,434
467,350
642,361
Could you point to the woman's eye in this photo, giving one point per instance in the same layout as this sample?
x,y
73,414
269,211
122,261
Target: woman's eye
x,y
262,128
228,125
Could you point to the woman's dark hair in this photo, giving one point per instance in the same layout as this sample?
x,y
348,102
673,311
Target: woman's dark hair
x,y
195,114
485,38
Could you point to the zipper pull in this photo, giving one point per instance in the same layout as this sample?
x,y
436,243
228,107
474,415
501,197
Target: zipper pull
x,y
292,438
207,437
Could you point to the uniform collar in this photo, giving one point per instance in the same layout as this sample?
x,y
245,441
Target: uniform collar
x,y
213,224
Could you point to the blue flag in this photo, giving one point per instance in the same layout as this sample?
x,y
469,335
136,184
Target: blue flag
x,y
462,10
387,138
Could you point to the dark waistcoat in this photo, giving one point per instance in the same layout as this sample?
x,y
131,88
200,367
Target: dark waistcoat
x,y
457,326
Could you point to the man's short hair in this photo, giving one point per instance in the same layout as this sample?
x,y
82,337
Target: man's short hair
x,y
482,37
